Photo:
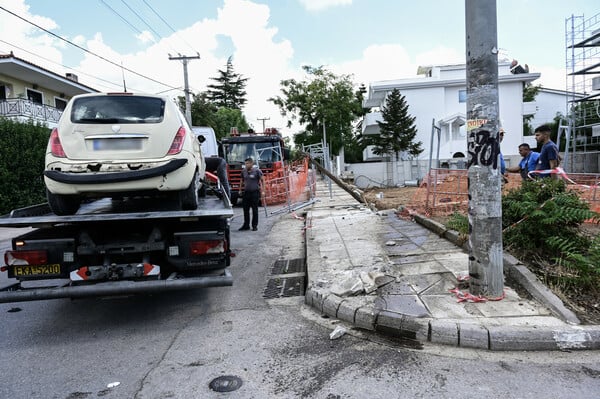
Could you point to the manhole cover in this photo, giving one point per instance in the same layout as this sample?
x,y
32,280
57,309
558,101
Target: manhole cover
x,y
226,383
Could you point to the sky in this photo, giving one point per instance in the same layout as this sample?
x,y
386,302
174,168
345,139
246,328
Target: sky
x,y
270,40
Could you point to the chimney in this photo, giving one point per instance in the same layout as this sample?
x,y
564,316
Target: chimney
x,y
72,76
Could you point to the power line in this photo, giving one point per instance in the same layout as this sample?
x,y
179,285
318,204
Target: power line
x,y
122,18
143,20
86,50
62,65
166,23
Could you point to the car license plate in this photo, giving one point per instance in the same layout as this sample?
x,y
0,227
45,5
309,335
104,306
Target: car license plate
x,y
117,144
36,271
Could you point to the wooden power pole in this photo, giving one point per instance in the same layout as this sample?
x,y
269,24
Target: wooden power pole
x,y
483,147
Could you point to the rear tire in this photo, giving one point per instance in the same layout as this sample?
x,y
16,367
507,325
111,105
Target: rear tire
x,y
63,205
189,196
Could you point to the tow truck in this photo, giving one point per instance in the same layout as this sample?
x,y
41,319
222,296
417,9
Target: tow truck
x,y
117,247
268,151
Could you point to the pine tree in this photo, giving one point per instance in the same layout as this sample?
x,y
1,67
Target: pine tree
x,y
398,128
229,91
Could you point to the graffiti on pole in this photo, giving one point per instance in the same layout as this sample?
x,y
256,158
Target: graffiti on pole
x,y
483,149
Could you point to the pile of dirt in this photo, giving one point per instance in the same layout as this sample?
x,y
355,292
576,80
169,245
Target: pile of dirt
x,y
586,305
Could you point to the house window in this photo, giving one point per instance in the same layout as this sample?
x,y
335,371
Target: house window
x,y
35,96
59,103
462,96
2,92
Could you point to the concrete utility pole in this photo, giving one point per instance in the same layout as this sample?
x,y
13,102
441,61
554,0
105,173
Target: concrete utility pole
x,y
483,147
263,122
188,105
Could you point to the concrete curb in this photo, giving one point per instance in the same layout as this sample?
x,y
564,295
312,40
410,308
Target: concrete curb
x,y
478,334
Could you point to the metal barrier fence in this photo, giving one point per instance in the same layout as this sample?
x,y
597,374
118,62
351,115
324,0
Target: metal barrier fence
x,y
445,191
294,190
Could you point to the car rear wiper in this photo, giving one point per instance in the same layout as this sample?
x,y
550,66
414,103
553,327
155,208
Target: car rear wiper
x,y
99,120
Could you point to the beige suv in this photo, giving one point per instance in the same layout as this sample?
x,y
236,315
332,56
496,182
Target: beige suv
x,y
119,145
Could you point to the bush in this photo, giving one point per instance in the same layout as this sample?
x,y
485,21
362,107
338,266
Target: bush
x,y
541,221
22,151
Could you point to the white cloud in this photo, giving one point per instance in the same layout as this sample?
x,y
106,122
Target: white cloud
x,y
145,37
318,5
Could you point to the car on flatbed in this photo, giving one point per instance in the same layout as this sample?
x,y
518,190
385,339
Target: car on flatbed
x,y
120,145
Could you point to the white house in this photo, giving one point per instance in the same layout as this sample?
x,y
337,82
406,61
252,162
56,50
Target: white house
x,y
438,97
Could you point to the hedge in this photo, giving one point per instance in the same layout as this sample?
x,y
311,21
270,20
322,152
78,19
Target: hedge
x,y
22,151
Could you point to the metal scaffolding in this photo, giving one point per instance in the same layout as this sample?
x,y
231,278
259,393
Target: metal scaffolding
x,y
582,39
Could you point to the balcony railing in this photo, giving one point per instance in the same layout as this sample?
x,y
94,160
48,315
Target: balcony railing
x,y
19,107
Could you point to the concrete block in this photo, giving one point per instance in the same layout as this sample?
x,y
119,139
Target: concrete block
x,y
331,303
317,300
473,336
365,318
308,296
513,338
346,311
444,332
416,328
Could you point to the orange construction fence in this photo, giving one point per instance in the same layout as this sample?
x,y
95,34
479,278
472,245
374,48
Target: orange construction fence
x,y
288,185
445,191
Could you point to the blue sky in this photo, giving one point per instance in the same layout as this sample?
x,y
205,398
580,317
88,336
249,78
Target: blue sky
x,y
270,40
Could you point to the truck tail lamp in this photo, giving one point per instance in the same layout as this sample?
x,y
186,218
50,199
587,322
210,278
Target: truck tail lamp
x,y
55,145
178,141
20,258
205,247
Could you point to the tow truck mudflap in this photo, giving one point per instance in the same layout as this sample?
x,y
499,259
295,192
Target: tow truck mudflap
x,y
114,288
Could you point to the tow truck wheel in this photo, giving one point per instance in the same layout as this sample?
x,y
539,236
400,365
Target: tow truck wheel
x,y
189,196
63,204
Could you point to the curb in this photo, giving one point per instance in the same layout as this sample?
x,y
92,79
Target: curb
x,y
361,313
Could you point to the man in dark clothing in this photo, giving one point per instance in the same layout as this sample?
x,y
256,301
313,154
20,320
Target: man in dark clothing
x,y
218,166
549,154
252,178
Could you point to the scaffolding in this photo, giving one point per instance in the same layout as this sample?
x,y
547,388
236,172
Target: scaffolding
x,y
582,39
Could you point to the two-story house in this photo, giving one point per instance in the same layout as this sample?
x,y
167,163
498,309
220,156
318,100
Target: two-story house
x,y
28,91
437,99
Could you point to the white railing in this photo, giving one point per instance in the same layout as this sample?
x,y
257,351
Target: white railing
x,y
19,107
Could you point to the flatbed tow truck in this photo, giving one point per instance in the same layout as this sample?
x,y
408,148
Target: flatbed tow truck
x,y
117,247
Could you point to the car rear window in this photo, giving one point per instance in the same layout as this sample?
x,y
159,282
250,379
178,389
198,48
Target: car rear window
x,y
118,109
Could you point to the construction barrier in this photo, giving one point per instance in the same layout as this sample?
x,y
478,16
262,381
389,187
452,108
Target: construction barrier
x,y
289,186
445,191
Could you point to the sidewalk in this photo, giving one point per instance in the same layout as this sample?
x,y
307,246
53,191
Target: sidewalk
x,y
394,276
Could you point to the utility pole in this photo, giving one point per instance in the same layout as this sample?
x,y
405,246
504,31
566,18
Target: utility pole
x,y
263,122
184,60
483,147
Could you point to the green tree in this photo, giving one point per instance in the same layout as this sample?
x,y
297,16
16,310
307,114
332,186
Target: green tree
x,y
398,130
203,110
529,93
323,101
229,89
226,118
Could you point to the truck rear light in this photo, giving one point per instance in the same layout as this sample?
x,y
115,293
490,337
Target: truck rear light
x,y
177,143
15,258
207,247
56,147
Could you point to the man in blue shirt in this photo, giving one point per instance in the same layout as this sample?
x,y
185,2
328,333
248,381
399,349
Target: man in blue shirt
x,y
527,164
549,157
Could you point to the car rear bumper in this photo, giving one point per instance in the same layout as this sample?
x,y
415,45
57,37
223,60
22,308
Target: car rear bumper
x,y
116,177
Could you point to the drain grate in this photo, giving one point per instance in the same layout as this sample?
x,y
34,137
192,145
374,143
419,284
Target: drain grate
x,y
285,266
284,287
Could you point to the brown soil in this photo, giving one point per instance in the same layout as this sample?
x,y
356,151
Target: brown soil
x,y
585,304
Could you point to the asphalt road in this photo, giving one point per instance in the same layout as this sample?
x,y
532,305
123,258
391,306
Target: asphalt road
x,y
174,345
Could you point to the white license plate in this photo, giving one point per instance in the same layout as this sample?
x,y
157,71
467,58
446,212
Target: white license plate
x,y
117,144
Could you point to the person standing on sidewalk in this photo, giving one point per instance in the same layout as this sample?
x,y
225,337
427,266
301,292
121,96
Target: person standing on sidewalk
x,y
252,179
527,164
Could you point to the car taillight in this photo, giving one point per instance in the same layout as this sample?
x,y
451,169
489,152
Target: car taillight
x,y
177,143
207,247
13,258
55,146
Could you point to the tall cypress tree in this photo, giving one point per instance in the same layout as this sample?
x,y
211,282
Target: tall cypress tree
x,y
229,91
398,129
